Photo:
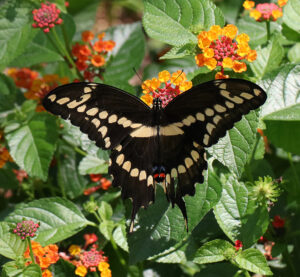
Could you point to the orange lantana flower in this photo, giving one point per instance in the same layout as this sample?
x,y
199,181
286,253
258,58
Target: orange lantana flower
x,y
91,57
87,36
224,48
44,256
248,5
81,271
165,87
98,60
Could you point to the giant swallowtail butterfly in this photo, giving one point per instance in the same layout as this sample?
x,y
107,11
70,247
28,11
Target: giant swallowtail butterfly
x,y
156,145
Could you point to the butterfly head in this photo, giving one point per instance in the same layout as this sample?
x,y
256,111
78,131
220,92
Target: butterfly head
x,y
157,104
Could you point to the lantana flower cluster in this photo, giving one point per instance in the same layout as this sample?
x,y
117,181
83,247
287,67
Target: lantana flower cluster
x,y
91,57
104,184
46,17
238,245
26,228
36,88
4,156
87,260
265,11
44,256
222,47
166,87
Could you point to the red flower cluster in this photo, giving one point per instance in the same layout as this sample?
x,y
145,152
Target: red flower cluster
x,y
90,58
278,222
238,244
104,184
23,77
20,174
87,260
46,17
265,11
26,228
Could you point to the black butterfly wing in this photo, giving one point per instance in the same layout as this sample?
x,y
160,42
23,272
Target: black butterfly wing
x,y
197,119
105,113
110,116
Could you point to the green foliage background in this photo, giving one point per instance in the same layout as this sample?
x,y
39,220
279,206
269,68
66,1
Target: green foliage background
x,y
223,209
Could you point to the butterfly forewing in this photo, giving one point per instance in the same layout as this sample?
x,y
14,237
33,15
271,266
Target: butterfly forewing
x,y
141,139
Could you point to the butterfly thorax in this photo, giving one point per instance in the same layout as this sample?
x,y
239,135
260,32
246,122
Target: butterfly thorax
x,y
157,104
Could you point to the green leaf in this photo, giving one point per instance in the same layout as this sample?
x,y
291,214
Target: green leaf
x,y
59,218
92,165
7,93
238,215
84,16
105,211
120,237
68,177
282,107
231,10
63,268
236,147
13,269
37,51
179,52
294,53
160,229
106,228
33,144
268,58
283,128
291,15
254,261
214,251
127,54
282,88
16,31
292,177
172,21
255,30
232,207
8,179
74,136
11,245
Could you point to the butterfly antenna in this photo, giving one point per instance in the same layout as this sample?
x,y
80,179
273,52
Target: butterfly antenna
x,y
138,75
178,75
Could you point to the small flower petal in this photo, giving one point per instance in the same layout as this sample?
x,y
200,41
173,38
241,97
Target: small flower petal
x,y
239,67
81,271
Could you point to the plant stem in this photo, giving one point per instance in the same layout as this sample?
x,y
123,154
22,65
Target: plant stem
x,y
97,216
68,49
30,250
80,151
268,30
